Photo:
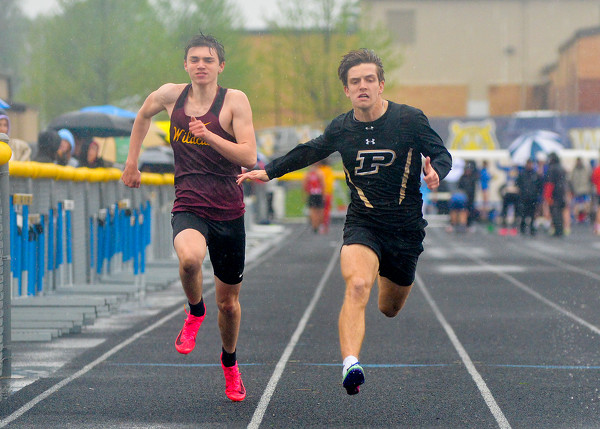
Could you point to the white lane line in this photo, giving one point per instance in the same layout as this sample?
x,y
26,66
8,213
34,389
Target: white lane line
x,y
558,262
535,294
29,405
485,392
270,389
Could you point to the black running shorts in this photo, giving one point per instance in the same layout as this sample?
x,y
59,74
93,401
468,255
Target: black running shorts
x,y
398,252
316,201
226,242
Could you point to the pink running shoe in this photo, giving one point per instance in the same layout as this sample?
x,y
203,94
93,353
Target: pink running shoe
x,y
186,340
234,387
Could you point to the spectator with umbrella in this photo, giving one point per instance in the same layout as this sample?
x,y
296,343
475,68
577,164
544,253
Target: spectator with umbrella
x,y
67,148
85,125
87,152
48,144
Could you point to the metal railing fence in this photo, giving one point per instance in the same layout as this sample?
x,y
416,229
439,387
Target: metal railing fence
x,y
65,226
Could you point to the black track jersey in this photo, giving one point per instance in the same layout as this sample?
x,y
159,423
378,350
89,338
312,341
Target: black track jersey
x,y
382,164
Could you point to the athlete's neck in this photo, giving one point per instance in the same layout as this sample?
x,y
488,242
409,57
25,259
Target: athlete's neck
x,y
200,98
203,93
372,113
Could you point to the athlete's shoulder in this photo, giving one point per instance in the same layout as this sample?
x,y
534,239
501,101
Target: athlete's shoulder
x,y
169,92
236,97
408,117
232,92
337,125
404,109
163,98
168,88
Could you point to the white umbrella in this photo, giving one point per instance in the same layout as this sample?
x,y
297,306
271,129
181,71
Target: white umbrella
x,y
529,145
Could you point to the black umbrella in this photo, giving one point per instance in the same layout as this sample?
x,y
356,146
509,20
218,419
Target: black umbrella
x,y
95,124
158,159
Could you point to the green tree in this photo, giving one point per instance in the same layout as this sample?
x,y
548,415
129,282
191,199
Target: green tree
x,y
116,52
95,52
299,64
220,18
13,27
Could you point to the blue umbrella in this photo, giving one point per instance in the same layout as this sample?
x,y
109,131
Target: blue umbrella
x,y
111,110
4,104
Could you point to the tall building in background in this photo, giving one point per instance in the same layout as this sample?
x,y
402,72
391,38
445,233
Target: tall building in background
x,y
492,57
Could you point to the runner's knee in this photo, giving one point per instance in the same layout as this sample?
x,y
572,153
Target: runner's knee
x,y
190,263
228,306
392,299
358,289
390,309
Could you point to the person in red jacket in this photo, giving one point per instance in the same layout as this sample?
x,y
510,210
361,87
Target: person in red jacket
x,y
314,186
596,182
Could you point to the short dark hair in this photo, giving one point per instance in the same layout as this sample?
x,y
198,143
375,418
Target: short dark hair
x,y
553,158
208,41
360,56
48,143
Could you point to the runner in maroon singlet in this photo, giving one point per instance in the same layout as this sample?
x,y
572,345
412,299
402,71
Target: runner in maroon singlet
x,y
212,137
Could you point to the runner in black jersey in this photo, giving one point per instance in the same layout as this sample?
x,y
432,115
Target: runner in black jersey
x,y
212,137
381,144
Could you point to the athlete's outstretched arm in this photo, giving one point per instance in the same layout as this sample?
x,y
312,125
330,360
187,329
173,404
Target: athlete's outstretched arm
x,y
432,147
299,157
253,175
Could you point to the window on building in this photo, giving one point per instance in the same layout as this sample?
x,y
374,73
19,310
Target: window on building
x,y
402,24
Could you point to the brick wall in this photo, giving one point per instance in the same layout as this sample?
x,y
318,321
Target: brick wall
x,y
433,100
589,95
505,99
575,79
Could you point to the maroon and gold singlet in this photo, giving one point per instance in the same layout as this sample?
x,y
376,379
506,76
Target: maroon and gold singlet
x,y
204,179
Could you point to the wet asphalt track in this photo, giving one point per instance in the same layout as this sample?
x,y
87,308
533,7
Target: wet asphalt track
x,y
498,332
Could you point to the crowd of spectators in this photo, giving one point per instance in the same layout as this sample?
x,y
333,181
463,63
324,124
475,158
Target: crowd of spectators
x,y
541,195
60,147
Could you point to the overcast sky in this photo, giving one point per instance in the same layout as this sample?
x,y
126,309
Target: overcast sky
x,y
253,10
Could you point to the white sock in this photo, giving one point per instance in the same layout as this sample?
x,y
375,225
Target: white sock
x,y
348,362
